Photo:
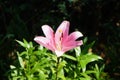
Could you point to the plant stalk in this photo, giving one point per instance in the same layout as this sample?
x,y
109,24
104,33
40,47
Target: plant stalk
x,y
58,61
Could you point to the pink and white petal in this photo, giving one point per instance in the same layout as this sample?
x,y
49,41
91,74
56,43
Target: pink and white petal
x,y
67,48
74,35
68,45
48,31
44,42
71,44
62,31
79,43
59,53
52,42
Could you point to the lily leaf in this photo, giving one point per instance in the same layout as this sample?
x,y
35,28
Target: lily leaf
x,y
77,51
85,59
69,57
20,60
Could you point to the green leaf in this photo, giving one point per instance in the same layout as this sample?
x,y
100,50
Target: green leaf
x,y
69,57
41,47
53,70
90,72
87,47
27,45
61,73
20,60
62,76
21,43
77,51
31,44
42,75
85,40
13,68
99,71
61,65
86,77
36,66
85,59
83,65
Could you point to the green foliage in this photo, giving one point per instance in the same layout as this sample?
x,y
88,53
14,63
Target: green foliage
x,y
31,66
37,63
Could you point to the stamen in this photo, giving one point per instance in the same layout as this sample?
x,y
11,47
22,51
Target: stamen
x,y
60,31
59,46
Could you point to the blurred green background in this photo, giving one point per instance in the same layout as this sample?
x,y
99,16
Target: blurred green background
x,y
99,20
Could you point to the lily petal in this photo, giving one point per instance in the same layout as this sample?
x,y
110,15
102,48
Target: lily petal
x,y
59,53
62,31
44,42
79,43
48,31
69,45
75,35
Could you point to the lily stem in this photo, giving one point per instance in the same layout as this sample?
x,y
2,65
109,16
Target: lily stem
x,y
58,61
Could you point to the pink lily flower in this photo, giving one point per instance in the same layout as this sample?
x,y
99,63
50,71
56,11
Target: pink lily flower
x,y
60,41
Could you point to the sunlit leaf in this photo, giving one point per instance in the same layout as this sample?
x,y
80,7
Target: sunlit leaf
x,y
42,76
86,77
13,68
61,65
21,43
26,43
77,51
87,47
61,74
69,57
85,59
85,40
20,60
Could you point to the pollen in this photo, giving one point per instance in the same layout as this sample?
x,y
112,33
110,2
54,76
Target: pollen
x,y
59,46
60,31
